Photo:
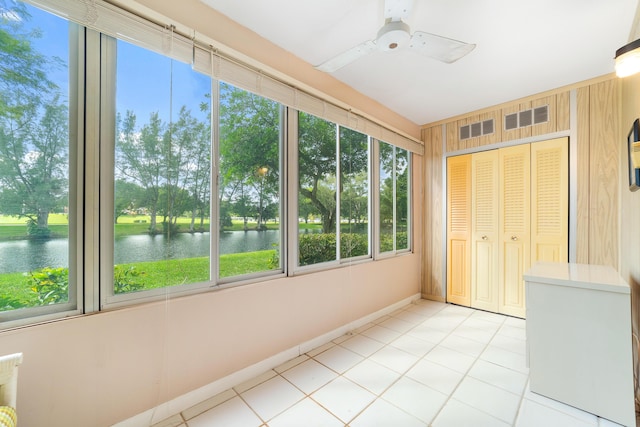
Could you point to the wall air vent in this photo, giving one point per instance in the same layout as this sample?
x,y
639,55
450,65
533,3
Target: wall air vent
x,y
477,129
511,121
465,132
526,118
541,114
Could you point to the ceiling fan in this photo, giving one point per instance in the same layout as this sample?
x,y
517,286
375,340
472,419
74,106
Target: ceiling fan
x,y
395,34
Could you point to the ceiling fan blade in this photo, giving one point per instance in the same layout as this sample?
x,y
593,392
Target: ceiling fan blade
x,y
397,9
346,57
437,47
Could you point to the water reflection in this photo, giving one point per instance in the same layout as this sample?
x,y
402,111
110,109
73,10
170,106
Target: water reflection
x,y
28,255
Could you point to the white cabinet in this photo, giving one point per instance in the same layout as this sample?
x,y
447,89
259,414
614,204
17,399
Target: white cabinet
x,y
579,338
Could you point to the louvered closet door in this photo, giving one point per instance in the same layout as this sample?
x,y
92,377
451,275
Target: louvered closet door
x,y
550,201
458,229
514,220
484,230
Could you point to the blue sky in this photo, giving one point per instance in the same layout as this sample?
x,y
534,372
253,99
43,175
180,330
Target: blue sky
x,y
146,81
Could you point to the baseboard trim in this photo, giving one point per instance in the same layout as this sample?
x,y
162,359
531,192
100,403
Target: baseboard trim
x,y
187,400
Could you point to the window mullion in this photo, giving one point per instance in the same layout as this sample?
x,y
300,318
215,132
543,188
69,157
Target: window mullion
x,y
91,100
292,191
105,126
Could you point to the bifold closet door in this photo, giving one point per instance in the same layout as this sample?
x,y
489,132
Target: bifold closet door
x,y
458,229
515,231
506,209
484,230
550,200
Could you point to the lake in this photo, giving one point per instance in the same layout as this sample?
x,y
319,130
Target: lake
x,y
29,255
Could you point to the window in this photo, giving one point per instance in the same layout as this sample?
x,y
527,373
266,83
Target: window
x,y
36,193
394,198
317,165
249,186
129,175
162,172
332,194
354,194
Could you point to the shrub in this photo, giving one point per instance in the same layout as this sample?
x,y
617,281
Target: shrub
x,y
352,245
51,285
124,279
314,248
9,303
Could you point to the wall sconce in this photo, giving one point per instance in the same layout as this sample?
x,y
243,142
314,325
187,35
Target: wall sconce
x,y
628,59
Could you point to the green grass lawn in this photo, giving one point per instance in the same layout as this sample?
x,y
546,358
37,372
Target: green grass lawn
x,y
153,274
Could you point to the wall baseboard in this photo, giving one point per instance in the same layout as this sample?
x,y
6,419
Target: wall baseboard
x,y
186,401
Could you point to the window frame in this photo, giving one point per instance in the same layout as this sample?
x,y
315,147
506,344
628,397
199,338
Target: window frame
x,y
395,251
74,306
92,82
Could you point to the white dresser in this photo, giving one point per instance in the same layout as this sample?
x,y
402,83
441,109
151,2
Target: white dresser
x,y
579,338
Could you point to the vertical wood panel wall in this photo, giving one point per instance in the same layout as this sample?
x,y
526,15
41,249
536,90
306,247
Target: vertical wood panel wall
x,y
598,158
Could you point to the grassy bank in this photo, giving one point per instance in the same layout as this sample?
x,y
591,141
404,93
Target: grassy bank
x,y
15,288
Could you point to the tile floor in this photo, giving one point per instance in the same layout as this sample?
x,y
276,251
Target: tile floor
x,y
427,364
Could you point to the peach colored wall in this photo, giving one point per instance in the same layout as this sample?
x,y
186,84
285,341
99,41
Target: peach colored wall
x,y
99,369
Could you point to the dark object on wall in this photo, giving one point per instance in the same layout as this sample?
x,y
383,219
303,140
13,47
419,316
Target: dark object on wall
x,y
633,151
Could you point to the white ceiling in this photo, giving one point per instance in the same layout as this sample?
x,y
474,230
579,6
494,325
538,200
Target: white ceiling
x,y
523,47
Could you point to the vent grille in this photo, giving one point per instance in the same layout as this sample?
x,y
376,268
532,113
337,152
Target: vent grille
x,y
526,118
465,132
477,129
511,121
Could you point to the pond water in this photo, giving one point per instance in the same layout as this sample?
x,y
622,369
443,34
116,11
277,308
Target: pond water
x,y
28,255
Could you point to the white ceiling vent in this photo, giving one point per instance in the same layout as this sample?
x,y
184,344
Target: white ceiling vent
x,y
474,130
526,118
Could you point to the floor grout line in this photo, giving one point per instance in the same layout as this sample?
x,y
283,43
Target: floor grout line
x,y
504,359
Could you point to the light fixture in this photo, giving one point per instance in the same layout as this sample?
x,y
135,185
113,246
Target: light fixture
x,y
392,35
628,59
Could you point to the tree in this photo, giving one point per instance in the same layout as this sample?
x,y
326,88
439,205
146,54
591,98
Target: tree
x,y
249,151
128,196
33,126
140,157
317,164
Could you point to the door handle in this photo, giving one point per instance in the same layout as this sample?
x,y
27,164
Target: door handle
x,y
485,237
514,238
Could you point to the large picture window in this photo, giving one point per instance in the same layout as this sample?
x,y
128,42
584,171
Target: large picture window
x,y
162,172
35,189
249,186
166,164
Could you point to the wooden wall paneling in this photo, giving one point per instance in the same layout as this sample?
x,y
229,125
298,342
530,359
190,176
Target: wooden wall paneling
x,y
427,216
510,135
496,136
603,172
526,131
452,136
470,142
549,126
433,237
563,115
582,209
437,234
